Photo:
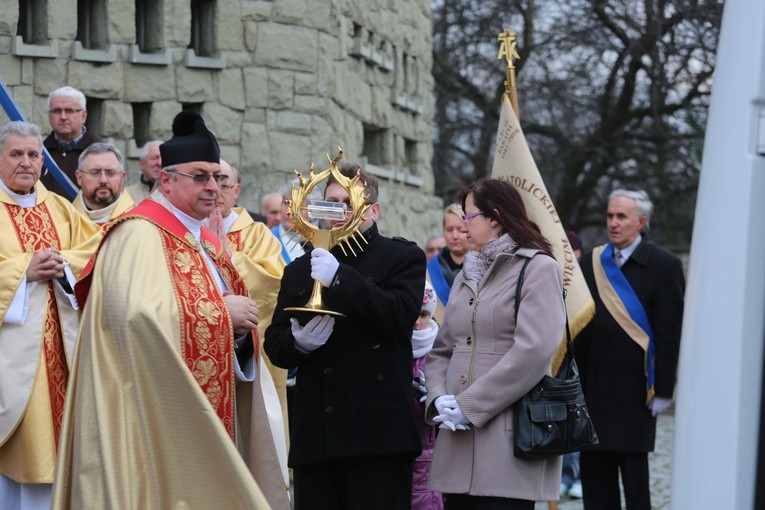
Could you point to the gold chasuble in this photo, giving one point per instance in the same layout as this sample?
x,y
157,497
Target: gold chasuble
x,y
35,351
155,417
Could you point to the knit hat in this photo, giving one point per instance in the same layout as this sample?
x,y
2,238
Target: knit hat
x,y
191,141
429,299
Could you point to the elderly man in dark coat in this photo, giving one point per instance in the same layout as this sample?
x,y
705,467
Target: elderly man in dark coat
x,y
628,354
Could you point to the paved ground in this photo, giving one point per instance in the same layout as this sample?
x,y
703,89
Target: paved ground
x,y
660,465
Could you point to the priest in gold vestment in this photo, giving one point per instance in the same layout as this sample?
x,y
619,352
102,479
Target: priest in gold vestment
x,y
44,244
100,175
164,408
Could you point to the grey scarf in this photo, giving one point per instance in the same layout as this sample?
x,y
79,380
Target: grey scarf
x,y
478,262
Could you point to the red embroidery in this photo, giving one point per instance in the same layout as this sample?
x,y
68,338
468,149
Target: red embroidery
x,y
207,332
235,240
36,231
206,329
234,281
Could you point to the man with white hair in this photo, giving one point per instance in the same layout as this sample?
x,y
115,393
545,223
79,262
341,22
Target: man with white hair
x,y
67,114
150,163
271,208
101,177
44,244
627,354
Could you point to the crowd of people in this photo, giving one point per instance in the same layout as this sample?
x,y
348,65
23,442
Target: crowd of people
x,y
153,353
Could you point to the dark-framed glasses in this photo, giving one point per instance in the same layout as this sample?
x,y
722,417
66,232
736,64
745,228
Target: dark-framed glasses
x,y
108,172
68,111
466,217
201,178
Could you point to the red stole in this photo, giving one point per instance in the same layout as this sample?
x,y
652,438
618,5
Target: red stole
x,y
207,332
36,231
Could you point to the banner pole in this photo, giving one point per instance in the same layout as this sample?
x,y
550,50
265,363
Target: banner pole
x,y
507,50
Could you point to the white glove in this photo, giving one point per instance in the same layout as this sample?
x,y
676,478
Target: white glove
x,y
314,334
453,419
419,386
659,405
445,402
458,417
445,424
323,266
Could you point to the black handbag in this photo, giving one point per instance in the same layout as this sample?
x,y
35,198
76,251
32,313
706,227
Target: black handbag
x,y
552,418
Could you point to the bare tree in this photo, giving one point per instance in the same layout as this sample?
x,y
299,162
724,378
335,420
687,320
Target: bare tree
x,y
612,94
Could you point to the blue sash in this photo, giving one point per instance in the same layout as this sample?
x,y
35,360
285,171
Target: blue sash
x,y
438,280
285,253
634,308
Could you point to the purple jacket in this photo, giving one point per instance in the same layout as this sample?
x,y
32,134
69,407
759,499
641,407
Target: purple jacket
x,y
422,498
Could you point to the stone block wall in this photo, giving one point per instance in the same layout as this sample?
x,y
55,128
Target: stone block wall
x,y
288,82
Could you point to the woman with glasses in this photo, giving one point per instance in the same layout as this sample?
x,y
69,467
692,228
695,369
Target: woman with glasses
x,y
483,360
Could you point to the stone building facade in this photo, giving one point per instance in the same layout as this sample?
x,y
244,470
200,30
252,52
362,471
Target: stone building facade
x,y
281,83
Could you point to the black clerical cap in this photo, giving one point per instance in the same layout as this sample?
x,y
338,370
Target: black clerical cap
x,y
191,141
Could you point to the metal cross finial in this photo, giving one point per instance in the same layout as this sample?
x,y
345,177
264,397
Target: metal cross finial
x,y
507,49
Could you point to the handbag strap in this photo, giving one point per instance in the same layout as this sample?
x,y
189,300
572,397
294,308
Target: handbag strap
x,y
519,285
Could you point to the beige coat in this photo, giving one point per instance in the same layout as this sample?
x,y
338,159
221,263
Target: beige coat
x,y
489,363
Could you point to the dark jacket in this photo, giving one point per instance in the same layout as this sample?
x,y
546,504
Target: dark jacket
x,y
66,161
611,364
353,395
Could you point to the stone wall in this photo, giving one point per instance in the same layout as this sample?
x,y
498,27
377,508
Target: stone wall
x,y
288,82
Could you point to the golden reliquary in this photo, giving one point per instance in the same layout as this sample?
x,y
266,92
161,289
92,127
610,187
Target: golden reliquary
x,y
304,212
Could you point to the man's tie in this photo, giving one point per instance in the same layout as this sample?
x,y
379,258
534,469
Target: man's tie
x,y
618,258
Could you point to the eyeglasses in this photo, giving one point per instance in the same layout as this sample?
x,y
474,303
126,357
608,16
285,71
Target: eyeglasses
x,y
108,172
470,216
201,178
68,111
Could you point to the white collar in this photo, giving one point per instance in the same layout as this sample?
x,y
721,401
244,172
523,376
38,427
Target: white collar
x,y
192,224
229,220
97,215
26,200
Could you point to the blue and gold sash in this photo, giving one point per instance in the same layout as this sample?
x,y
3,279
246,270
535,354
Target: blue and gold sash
x,y
438,280
624,306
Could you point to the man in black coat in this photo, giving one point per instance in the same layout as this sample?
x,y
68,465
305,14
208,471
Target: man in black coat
x,y
70,136
352,429
612,352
